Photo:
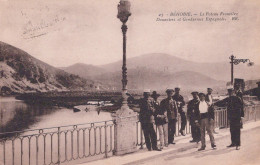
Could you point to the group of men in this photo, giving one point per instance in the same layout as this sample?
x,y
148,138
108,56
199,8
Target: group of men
x,y
200,113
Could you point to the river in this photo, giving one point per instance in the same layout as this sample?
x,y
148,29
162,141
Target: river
x,y
41,146
15,115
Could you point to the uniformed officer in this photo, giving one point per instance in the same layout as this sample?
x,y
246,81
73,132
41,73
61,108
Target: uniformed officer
x,y
235,113
180,103
169,105
238,92
147,120
195,130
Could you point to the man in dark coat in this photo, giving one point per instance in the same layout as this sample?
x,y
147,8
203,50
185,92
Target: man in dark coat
x,y
195,130
180,103
146,117
235,113
170,106
238,92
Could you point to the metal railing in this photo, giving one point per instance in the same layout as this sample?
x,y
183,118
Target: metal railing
x,y
221,119
139,131
252,113
57,144
63,144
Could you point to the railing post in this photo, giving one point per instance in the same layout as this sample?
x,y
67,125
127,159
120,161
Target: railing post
x,y
4,151
226,118
58,145
106,140
215,118
14,151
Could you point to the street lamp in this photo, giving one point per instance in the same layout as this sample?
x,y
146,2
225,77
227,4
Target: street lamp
x,y
235,61
123,14
125,119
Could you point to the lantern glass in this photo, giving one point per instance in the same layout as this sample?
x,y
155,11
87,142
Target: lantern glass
x,y
123,10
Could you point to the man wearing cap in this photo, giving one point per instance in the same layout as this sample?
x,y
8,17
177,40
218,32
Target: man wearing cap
x,y
235,113
161,120
238,92
204,119
180,103
209,99
169,105
146,117
195,130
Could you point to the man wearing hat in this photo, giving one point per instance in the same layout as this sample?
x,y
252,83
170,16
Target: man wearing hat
x,y
204,119
180,103
169,105
146,117
235,113
195,130
209,99
238,92
161,120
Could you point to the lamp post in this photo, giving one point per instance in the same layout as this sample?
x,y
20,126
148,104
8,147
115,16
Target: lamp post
x,y
235,61
123,14
125,119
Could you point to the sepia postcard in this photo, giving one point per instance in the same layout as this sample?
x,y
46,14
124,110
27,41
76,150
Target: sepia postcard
x,y
129,82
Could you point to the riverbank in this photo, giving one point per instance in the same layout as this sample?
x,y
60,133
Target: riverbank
x,y
68,99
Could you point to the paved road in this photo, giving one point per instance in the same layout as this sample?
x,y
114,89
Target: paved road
x,y
249,154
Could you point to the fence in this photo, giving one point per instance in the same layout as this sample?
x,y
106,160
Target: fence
x,y
57,144
252,113
76,142
140,135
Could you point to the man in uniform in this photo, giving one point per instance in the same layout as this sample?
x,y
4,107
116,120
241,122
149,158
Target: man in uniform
x,y
238,92
235,114
170,106
209,99
146,117
180,103
195,130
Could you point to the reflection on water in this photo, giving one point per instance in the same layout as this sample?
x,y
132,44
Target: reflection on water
x,y
33,147
16,115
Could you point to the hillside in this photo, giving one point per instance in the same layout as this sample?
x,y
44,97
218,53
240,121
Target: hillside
x,y
84,70
250,84
20,72
172,64
158,71
142,78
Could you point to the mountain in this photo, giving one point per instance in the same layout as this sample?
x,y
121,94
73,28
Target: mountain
x,y
141,78
172,64
158,71
20,72
250,84
84,70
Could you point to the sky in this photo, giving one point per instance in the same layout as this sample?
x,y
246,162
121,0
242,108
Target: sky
x,y
65,32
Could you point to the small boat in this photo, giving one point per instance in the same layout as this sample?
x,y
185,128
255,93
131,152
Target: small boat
x,y
76,109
